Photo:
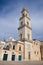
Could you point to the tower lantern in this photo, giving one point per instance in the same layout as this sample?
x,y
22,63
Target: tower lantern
x,y
24,12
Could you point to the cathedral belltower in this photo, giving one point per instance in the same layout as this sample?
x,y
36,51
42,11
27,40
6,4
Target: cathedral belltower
x,y
25,33
24,30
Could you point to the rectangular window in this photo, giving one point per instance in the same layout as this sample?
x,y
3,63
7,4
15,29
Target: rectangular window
x,y
13,57
27,24
5,57
29,55
20,36
28,36
19,57
20,48
21,23
13,47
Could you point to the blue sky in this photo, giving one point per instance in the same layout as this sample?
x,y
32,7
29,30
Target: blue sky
x,y
10,11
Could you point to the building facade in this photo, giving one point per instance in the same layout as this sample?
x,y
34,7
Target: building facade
x,y
25,48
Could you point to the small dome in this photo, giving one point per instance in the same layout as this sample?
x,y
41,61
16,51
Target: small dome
x,y
10,39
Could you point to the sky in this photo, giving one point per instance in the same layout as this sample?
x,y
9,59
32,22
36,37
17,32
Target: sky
x,y
10,12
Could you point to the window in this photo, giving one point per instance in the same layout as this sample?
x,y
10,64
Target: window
x,y
5,57
20,48
21,23
13,47
20,36
28,36
5,51
29,55
13,57
23,15
27,24
7,47
26,14
19,57
35,52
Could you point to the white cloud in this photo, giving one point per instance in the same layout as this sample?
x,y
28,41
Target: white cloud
x,y
37,24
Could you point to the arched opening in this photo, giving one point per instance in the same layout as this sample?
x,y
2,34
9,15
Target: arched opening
x,y
13,47
13,57
19,48
19,57
5,56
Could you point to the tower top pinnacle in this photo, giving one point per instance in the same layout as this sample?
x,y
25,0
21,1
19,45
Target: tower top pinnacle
x,y
24,9
24,13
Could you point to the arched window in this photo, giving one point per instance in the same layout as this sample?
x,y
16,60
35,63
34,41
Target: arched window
x,y
19,48
13,57
5,56
13,47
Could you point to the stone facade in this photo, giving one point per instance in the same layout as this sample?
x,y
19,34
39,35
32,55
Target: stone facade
x,y
25,48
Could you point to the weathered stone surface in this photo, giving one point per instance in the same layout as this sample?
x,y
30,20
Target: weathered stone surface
x,y
21,63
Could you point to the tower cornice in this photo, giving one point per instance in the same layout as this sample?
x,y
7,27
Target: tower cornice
x,y
24,39
23,26
23,17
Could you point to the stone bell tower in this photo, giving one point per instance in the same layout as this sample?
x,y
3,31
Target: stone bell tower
x,y
24,30
25,33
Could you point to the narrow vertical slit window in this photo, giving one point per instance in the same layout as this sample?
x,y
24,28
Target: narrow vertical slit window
x,y
20,36
28,36
29,55
27,24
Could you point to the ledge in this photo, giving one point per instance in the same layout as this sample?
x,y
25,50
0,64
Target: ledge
x,y
23,26
23,17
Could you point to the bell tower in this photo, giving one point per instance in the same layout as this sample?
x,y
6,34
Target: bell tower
x,y
24,30
25,33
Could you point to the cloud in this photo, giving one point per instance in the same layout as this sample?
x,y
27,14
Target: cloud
x,y
37,24
8,25
10,13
